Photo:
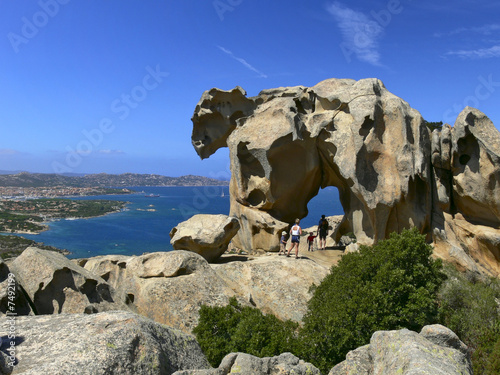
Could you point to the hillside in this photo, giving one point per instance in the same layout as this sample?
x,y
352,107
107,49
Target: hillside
x,y
25,179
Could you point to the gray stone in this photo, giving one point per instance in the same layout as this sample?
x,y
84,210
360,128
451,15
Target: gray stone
x,y
104,343
55,285
436,350
242,363
357,362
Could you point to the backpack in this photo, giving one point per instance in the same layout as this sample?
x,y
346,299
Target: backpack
x,y
323,224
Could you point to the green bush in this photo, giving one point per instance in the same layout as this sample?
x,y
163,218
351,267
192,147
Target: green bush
x,y
390,285
469,307
236,328
493,363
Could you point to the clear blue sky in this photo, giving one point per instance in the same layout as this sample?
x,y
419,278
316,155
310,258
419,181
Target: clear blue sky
x,y
110,86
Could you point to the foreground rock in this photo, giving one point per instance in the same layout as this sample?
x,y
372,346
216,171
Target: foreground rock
x,y
207,235
436,350
242,363
11,292
56,285
276,285
170,287
287,143
103,343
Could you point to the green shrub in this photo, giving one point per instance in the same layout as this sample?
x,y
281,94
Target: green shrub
x,y
390,285
493,363
469,307
236,328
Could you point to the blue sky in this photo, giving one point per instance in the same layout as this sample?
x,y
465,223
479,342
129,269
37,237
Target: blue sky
x,y
110,86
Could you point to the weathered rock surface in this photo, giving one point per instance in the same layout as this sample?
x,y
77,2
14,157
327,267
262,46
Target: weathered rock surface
x,y
436,350
276,285
287,143
56,285
241,363
18,302
104,343
170,287
207,235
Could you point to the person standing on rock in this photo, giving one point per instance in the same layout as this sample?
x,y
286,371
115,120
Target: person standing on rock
x,y
283,243
323,231
310,241
295,232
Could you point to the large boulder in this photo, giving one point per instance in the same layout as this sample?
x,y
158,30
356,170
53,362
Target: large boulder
x,y
56,285
168,287
466,216
435,350
207,235
354,135
105,343
276,285
12,298
241,363
287,143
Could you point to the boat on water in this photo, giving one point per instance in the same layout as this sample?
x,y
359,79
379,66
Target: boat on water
x,y
152,195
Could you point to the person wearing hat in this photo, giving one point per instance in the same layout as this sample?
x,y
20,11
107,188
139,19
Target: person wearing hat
x,y
283,243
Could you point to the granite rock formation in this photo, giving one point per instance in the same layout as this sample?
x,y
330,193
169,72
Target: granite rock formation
x,y
19,304
287,143
241,363
115,342
435,350
55,285
207,235
275,285
170,287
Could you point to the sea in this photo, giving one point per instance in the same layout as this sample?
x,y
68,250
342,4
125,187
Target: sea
x,y
144,225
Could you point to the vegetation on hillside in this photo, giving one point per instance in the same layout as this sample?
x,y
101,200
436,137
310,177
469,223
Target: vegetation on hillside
x,y
12,246
470,307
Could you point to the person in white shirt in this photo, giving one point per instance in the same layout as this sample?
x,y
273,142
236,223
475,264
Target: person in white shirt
x,y
295,232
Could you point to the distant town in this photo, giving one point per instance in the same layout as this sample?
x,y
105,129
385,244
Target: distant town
x,y
15,193
103,180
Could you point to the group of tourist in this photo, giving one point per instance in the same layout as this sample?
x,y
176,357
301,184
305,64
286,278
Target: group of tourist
x,y
296,232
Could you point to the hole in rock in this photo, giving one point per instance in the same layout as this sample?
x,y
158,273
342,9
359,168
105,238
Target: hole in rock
x,y
326,203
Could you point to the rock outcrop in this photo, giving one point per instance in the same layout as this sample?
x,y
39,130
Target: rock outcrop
x,y
241,363
104,343
275,285
207,235
55,285
170,287
287,143
436,350
10,291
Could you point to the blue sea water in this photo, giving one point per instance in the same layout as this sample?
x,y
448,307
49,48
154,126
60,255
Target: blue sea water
x,y
137,230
